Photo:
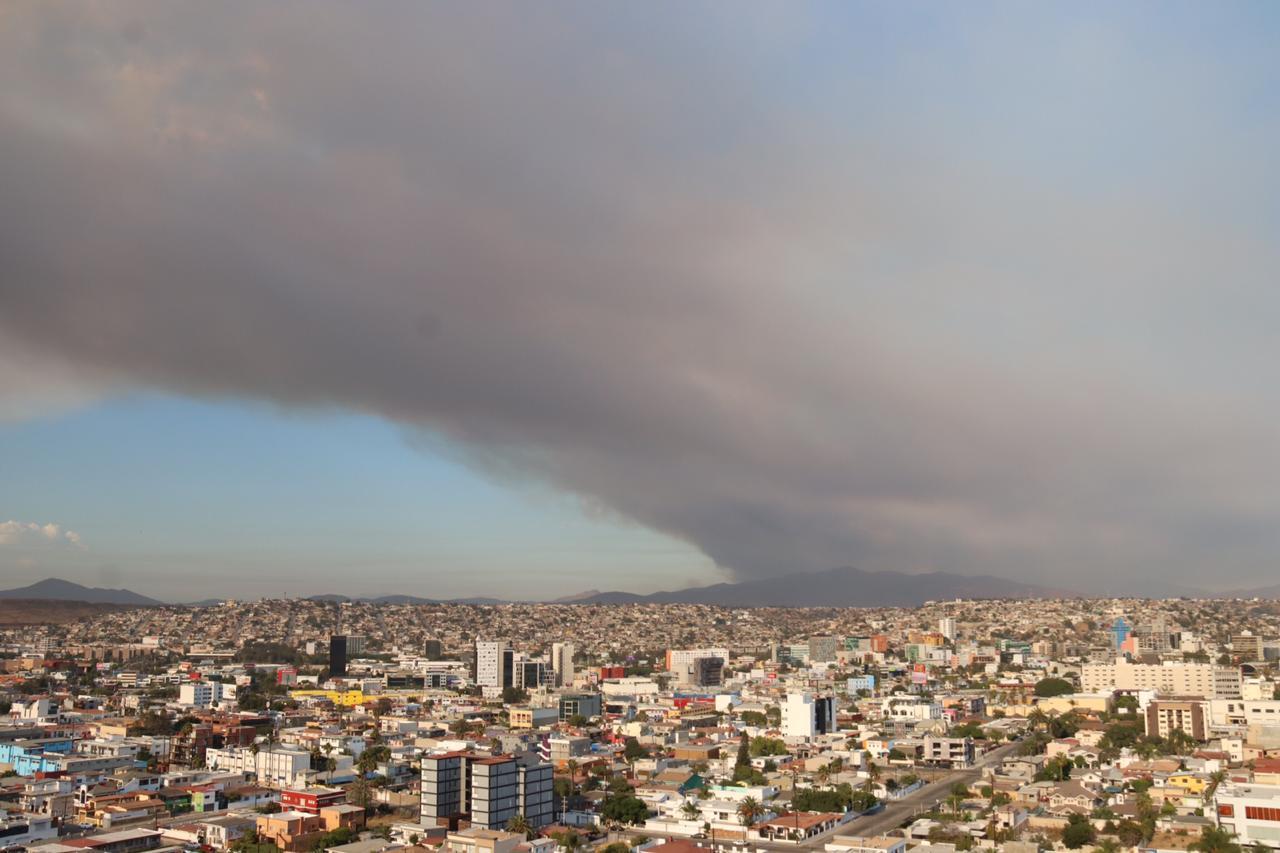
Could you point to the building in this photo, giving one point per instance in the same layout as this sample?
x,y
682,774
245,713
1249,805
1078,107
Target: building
x,y
495,791
311,800
494,664
433,650
337,656
532,718
479,840
948,751
1251,811
579,705
486,790
200,694
1246,646
683,662
1165,716
947,627
1171,678
276,765
562,663
803,716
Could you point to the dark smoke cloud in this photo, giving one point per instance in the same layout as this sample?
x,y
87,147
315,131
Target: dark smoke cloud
x,y
638,260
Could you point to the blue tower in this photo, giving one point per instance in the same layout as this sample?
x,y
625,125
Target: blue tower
x,y
1120,631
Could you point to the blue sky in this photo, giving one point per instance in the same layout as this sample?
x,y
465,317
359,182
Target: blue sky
x,y
178,498
455,299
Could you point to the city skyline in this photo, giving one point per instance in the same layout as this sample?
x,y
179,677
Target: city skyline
x,y
444,302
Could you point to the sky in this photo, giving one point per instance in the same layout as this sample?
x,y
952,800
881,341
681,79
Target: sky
x,y
520,300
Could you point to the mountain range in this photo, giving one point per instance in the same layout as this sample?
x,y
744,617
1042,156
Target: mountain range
x,y
56,589
843,587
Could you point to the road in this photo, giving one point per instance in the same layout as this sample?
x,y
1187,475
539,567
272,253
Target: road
x,y
898,811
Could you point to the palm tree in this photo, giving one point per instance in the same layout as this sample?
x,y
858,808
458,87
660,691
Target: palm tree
x,y
749,810
1216,778
519,823
873,773
690,810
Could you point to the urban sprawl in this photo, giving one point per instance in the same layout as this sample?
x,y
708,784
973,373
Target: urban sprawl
x,y
351,727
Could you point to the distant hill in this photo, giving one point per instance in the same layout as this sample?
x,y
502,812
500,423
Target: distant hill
x,y
56,589
845,587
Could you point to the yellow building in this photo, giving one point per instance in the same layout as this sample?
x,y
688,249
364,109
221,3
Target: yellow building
x,y
345,698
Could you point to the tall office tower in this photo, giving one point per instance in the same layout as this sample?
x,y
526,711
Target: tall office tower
x,y
947,627
443,788
562,663
495,662
337,656
804,716
355,645
433,650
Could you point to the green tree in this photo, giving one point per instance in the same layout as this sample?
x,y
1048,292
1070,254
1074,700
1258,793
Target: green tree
x,y
519,823
1078,833
1051,686
1214,839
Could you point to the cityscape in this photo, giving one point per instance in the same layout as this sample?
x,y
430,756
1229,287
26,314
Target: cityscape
x,y
725,426
305,724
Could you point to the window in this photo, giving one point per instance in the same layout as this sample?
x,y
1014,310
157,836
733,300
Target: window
x,y
1261,813
1226,810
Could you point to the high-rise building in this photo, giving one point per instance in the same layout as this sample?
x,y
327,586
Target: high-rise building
x,y
803,716
947,627
495,664
337,656
487,790
562,663
433,650
682,662
444,779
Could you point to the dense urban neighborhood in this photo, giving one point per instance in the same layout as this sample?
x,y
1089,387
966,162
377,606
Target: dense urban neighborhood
x,y
361,727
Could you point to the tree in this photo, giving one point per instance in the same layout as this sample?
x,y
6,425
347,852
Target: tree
x,y
625,809
519,823
359,793
1129,833
690,810
749,810
568,839
633,751
1214,839
1078,833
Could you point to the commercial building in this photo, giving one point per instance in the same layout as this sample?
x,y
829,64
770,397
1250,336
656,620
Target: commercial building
x,y
337,656
803,716
1171,678
947,627
494,664
562,663
579,704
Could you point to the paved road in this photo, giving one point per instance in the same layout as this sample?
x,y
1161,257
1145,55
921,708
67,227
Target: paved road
x,y
898,811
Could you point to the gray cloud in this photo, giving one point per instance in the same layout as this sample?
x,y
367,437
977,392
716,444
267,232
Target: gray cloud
x,y
619,255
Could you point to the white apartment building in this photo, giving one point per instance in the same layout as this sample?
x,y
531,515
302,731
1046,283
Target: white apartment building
x,y
1171,678
909,708
947,627
279,766
1251,811
200,694
1243,712
803,716
562,663
495,662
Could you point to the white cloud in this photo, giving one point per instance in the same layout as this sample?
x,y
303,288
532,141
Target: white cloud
x,y
33,533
